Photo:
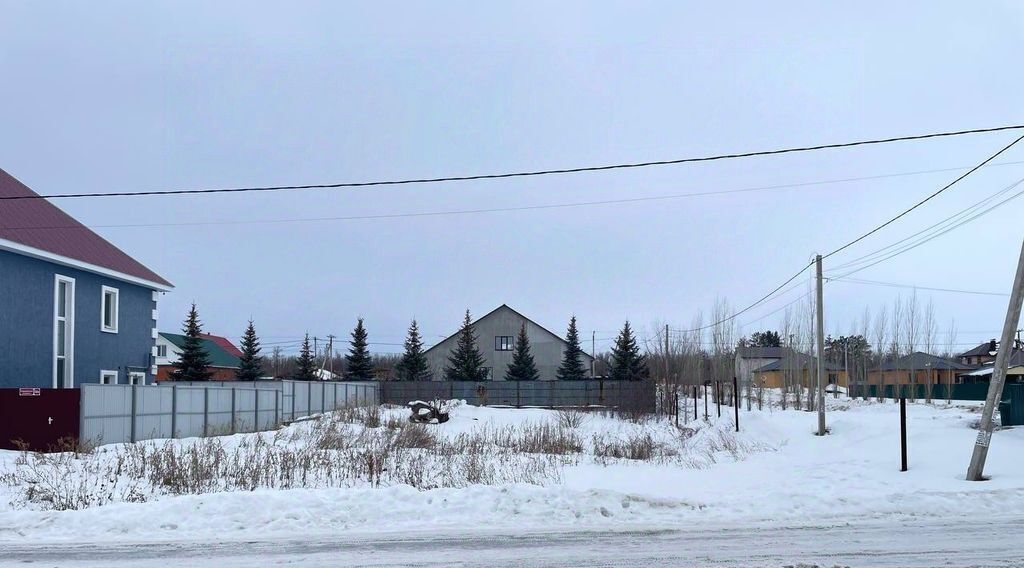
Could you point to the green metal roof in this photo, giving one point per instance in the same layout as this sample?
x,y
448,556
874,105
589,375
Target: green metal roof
x,y
219,357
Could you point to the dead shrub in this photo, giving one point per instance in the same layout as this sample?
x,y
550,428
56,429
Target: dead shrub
x,y
571,418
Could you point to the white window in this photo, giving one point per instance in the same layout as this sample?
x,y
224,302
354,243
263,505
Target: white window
x,y
136,378
108,377
161,351
63,332
108,315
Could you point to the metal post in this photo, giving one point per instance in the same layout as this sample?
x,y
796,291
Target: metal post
x,y
277,406
736,407
309,397
718,397
820,308
694,402
134,413
256,410
705,402
206,411
174,411
233,419
976,471
903,434
323,398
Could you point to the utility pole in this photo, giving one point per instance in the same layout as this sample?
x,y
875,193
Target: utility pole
x,y
666,369
821,349
975,472
593,352
329,354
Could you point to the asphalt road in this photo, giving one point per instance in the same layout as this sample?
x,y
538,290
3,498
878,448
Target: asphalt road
x,y
953,543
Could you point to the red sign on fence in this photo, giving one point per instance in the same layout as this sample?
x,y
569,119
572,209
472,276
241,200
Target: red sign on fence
x,y
29,392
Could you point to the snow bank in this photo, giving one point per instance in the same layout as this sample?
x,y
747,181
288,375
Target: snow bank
x,y
776,471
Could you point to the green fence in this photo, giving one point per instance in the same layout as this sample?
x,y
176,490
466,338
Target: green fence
x,y
1011,406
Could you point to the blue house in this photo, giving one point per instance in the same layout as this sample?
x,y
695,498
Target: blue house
x,y
73,308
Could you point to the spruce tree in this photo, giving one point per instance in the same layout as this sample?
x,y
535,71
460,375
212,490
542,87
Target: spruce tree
x,y
628,364
522,367
194,362
305,366
465,362
413,366
360,364
250,364
572,360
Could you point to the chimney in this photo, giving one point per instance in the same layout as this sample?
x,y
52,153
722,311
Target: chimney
x,y
992,346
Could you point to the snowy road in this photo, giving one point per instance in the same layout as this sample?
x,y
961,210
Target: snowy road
x,y
951,543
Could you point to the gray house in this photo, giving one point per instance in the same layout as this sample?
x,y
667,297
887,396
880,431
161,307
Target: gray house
x,y
495,335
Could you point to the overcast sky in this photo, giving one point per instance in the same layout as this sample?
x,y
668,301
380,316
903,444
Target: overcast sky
x,y
119,96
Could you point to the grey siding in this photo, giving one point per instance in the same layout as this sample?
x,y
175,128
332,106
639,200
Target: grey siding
x,y
546,347
26,324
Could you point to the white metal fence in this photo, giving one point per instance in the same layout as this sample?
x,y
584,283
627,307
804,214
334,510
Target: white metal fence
x,y
113,414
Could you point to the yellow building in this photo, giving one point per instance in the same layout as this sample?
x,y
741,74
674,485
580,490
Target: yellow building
x,y
797,368
918,368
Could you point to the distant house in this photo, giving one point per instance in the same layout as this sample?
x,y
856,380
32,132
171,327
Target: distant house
x,y
224,356
496,334
749,359
1014,371
798,368
74,308
984,353
917,368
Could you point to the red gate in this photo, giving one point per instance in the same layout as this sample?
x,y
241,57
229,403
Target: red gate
x,y
39,419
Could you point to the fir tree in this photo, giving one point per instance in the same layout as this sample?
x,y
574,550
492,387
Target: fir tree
x,y
250,364
360,364
627,362
194,362
465,362
572,360
413,366
522,367
305,366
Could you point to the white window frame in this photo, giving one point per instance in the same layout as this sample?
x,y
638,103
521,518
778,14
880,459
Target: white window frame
x,y
136,378
69,330
160,348
107,373
114,309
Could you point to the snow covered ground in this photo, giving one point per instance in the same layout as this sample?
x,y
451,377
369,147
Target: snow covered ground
x,y
775,473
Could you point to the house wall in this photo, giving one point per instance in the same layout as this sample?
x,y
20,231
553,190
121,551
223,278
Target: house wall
x,y
163,373
744,367
775,379
27,324
547,348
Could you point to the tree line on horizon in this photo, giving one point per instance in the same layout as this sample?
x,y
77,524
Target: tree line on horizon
x,y
465,362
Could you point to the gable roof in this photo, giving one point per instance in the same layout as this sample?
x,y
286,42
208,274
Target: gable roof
x,y
222,352
586,356
920,361
35,227
986,348
762,352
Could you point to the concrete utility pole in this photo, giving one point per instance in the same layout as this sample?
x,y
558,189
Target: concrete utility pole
x,y
666,354
975,472
821,350
593,352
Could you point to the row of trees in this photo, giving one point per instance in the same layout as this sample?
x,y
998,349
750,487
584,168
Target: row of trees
x,y
465,363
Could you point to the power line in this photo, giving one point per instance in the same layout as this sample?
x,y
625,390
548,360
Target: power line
x,y
533,173
954,217
925,200
914,286
505,209
936,235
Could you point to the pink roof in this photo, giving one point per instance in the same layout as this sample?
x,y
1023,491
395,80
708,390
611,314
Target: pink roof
x,y
39,224
224,343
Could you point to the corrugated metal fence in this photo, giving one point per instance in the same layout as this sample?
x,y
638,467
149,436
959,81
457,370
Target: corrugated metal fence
x,y
634,396
126,413
1011,405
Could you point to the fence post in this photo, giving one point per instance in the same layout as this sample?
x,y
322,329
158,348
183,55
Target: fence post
x,y
323,398
256,411
206,411
278,400
233,410
292,417
134,413
903,434
736,399
174,411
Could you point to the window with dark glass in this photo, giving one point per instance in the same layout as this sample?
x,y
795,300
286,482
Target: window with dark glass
x,y
503,343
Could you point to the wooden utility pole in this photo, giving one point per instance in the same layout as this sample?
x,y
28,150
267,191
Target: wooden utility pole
x,y
975,472
821,349
593,352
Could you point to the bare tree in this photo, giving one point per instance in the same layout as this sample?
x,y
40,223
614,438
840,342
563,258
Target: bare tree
x,y
912,335
929,329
